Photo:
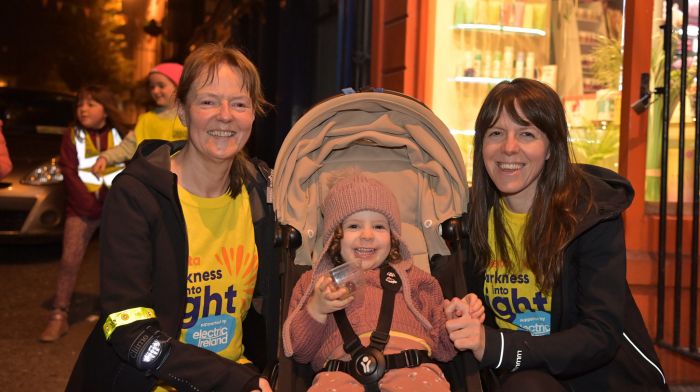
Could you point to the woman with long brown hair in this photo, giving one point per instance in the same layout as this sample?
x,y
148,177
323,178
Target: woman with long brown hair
x,y
549,258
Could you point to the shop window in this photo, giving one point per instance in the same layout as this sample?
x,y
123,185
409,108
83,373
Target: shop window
x,y
654,150
574,46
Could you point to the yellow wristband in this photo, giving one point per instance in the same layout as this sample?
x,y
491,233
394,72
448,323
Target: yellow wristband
x,y
125,317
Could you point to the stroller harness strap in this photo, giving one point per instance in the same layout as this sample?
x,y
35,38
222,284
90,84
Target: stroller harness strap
x,y
404,359
368,364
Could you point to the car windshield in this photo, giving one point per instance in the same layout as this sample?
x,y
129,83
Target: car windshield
x,y
33,123
29,112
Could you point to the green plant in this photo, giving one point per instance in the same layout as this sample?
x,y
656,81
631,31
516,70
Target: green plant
x,y
596,145
607,61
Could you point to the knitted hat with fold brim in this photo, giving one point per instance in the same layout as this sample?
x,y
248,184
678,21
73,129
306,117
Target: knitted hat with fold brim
x,y
172,71
358,193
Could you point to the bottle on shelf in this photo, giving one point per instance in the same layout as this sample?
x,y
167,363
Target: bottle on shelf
x,y
518,13
497,71
539,16
468,68
486,66
528,16
459,12
481,12
530,65
520,65
469,11
507,66
507,13
494,12
477,63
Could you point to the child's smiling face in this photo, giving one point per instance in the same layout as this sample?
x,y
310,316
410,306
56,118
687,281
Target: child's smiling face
x,y
366,239
162,90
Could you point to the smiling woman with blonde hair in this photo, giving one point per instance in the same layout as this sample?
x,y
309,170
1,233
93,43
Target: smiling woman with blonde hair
x,y
186,246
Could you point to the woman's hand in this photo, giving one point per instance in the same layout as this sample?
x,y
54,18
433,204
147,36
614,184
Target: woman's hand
x,y
326,299
99,166
465,324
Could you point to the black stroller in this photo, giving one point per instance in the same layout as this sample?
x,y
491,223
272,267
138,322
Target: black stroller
x,y
399,141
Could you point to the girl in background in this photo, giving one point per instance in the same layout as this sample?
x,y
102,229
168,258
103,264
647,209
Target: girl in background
x,y
99,127
160,123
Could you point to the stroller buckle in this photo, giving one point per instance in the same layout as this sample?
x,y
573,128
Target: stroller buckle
x,y
412,358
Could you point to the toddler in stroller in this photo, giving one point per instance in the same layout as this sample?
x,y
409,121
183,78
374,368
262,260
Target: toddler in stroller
x,y
400,142
362,226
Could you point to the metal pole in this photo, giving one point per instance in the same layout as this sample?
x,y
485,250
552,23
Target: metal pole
x,y
693,346
668,56
677,291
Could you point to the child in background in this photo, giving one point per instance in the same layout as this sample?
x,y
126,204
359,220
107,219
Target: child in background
x,y
99,128
362,226
159,123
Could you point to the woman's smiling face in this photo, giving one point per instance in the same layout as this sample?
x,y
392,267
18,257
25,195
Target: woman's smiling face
x,y
218,114
514,156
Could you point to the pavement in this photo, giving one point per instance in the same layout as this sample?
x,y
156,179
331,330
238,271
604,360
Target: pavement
x,y
29,278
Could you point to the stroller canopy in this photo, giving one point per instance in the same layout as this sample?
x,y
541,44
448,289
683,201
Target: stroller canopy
x,y
387,136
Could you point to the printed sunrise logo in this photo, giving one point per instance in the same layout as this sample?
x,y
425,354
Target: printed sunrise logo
x,y
242,264
220,287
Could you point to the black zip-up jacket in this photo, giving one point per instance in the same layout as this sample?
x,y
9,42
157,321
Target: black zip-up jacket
x,y
598,341
143,261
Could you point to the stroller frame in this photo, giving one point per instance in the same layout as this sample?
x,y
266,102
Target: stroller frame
x,y
382,125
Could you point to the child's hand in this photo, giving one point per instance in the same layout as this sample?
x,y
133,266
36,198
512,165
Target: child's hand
x,y
99,166
455,308
476,307
470,305
327,299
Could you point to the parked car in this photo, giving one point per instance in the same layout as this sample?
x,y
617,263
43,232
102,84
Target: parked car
x,y
32,197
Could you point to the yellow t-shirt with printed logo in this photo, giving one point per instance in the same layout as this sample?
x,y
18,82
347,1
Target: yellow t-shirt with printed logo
x,y
514,296
221,273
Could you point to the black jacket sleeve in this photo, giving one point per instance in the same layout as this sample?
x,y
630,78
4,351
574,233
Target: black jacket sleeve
x,y
127,273
598,269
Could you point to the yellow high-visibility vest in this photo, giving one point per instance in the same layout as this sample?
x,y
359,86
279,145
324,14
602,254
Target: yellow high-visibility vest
x,y
87,156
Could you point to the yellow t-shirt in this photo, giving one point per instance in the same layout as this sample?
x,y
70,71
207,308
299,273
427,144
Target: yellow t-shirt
x,y
514,296
221,273
152,125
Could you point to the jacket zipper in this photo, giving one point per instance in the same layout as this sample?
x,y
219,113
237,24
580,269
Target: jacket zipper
x,y
268,191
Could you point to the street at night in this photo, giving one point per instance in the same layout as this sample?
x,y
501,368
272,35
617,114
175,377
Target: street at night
x,y
547,151
29,274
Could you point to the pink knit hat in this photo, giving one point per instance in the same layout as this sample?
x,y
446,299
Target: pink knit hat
x,y
172,71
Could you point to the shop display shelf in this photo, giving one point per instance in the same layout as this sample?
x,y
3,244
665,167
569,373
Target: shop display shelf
x,y
476,80
500,29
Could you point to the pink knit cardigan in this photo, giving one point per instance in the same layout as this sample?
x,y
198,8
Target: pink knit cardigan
x,y
315,342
